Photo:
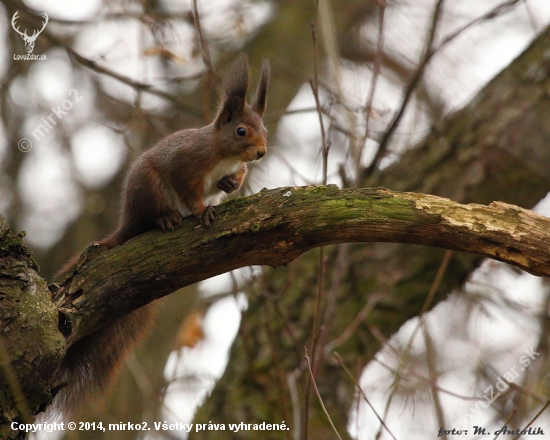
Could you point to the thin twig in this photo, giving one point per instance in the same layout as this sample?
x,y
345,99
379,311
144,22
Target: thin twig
x,y
415,80
427,381
92,65
325,147
431,357
508,420
428,55
292,379
205,53
286,323
525,391
276,356
314,83
360,390
356,322
431,294
537,415
374,79
493,13
339,271
319,395
532,19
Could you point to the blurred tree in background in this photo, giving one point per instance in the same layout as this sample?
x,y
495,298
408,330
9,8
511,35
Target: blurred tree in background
x,y
364,93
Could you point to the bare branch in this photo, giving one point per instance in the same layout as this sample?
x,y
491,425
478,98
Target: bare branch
x,y
429,52
274,227
139,86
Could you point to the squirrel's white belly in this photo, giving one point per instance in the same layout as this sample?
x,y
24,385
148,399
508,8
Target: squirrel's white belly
x,y
211,195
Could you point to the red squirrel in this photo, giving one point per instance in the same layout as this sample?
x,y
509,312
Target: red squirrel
x,y
185,173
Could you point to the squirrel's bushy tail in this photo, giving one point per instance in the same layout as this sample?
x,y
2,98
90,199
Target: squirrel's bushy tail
x,y
91,364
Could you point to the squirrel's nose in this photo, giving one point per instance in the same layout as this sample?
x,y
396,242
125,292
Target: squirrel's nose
x,y
261,154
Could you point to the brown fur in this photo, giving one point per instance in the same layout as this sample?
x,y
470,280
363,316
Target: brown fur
x,y
172,175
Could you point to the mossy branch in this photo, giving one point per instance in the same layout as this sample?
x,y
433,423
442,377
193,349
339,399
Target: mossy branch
x,y
273,227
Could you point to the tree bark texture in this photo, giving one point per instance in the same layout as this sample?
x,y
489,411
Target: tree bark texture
x,y
273,227
31,346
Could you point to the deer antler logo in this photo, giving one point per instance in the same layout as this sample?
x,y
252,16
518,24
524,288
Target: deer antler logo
x,y
29,41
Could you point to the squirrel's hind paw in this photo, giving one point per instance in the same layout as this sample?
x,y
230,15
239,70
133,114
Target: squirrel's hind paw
x,y
208,216
168,222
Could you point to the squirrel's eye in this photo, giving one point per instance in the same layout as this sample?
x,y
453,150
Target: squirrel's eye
x,y
241,132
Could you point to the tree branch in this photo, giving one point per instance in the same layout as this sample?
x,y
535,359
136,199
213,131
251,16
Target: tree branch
x,y
273,227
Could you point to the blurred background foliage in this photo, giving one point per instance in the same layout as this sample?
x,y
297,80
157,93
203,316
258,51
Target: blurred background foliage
x,y
375,90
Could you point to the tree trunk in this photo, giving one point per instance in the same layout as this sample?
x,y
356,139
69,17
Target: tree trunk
x,y
31,346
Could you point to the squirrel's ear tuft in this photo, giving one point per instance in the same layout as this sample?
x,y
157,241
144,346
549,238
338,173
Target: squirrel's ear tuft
x,y
235,87
260,97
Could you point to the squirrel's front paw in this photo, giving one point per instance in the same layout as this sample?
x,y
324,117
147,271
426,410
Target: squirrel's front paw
x,y
168,222
228,184
207,216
